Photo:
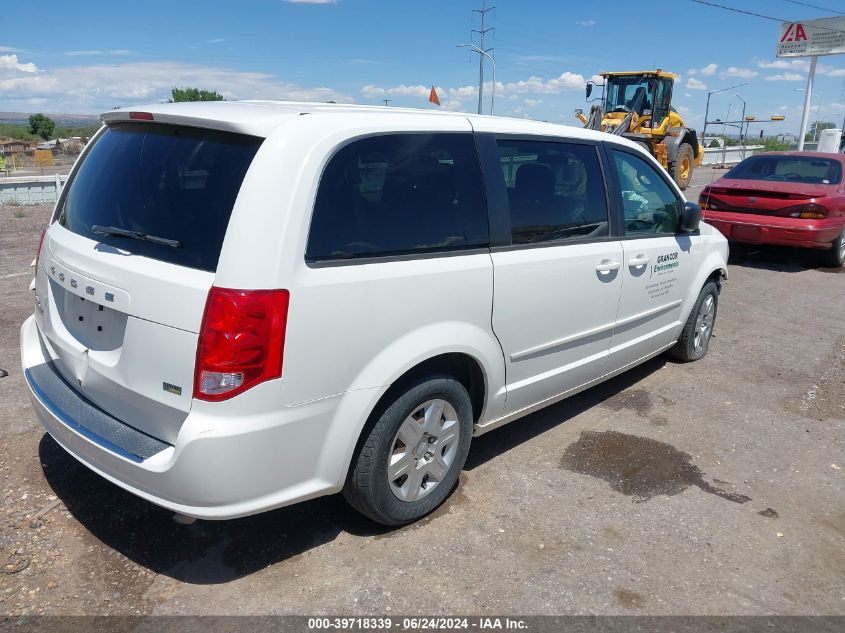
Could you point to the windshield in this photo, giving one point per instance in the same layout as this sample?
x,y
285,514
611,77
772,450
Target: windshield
x,y
626,93
803,169
174,185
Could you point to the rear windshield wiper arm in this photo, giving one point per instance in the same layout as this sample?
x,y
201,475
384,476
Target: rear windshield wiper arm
x,y
135,235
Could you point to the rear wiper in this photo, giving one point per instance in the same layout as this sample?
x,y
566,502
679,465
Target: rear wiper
x,y
135,235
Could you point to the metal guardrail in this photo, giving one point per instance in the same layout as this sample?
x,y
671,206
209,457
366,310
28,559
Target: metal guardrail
x,y
729,155
31,189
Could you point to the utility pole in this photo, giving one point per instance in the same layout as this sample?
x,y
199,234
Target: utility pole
x,y
481,53
387,102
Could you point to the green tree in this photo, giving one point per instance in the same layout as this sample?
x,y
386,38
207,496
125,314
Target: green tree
x,y
815,128
41,125
772,144
178,95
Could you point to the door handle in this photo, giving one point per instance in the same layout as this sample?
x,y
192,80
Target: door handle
x,y
607,265
639,260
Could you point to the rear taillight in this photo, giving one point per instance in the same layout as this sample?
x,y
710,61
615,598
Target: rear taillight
x,y
241,341
707,201
810,211
141,116
703,197
38,250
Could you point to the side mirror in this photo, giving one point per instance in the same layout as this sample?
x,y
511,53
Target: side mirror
x,y
589,89
690,218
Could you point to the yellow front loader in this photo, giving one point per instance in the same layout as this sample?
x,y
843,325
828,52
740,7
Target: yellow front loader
x,y
638,106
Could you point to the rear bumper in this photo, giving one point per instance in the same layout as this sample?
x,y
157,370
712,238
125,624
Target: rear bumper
x,y
766,229
219,467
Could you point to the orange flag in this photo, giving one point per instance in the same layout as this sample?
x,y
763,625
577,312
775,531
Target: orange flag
x,y
433,97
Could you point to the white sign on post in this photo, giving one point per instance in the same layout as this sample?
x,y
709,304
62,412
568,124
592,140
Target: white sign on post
x,y
812,37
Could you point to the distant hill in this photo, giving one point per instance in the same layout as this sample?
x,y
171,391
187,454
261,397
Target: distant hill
x,y
63,119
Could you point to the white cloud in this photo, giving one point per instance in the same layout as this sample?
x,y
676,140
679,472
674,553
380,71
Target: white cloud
x,y
688,94
586,22
695,84
454,98
709,70
530,103
311,1
118,52
10,62
565,81
375,92
783,64
785,77
101,87
9,49
452,104
742,73
692,72
801,64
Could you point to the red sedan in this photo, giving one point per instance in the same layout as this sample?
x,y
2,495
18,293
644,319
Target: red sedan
x,y
787,198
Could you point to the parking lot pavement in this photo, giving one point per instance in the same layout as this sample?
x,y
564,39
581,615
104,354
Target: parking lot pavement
x,y
707,488
702,176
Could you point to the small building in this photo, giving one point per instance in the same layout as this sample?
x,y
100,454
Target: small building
x,y
11,146
71,145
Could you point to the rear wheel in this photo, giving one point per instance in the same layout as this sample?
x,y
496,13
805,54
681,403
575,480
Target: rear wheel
x,y
695,337
411,459
835,257
683,166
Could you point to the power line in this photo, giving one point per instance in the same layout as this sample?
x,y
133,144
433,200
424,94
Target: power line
x,y
812,6
760,15
756,15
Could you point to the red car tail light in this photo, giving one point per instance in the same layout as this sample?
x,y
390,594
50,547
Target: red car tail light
x,y
703,197
810,211
241,341
706,200
141,116
38,250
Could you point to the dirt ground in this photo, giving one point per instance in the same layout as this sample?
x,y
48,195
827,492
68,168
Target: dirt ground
x,y
709,488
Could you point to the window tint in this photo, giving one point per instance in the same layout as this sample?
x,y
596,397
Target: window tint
x,y
556,191
649,203
803,169
399,193
173,182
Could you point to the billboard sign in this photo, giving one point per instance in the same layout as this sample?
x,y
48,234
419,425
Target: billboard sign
x,y
812,37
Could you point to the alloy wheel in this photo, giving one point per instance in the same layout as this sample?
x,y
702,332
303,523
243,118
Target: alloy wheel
x,y
423,450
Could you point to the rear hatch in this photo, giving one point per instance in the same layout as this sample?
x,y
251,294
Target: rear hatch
x,y
126,265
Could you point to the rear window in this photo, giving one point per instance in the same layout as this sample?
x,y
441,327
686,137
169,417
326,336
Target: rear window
x,y
170,182
399,194
803,169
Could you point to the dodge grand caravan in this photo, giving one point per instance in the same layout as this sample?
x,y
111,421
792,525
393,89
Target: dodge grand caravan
x,y
243,305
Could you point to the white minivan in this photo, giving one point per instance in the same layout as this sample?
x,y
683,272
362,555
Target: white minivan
x,y
243,305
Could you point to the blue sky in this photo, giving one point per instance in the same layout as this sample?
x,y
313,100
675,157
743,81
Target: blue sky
x,y
93,56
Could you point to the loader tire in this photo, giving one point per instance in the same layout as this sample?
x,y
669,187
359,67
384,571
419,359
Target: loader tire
x,y
681,169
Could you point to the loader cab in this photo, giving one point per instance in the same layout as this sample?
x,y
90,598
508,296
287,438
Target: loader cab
x,y
648,95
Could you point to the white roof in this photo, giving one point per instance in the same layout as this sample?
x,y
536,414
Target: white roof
x,y
259,118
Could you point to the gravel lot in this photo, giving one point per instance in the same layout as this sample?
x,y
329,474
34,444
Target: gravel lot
x,y
709,488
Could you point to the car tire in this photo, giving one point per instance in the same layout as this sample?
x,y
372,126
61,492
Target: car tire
x,y
683,166
695,337
835,257
422,438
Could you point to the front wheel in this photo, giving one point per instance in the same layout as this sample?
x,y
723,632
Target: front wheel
x,y
695,337
835,257
411,458
683,166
